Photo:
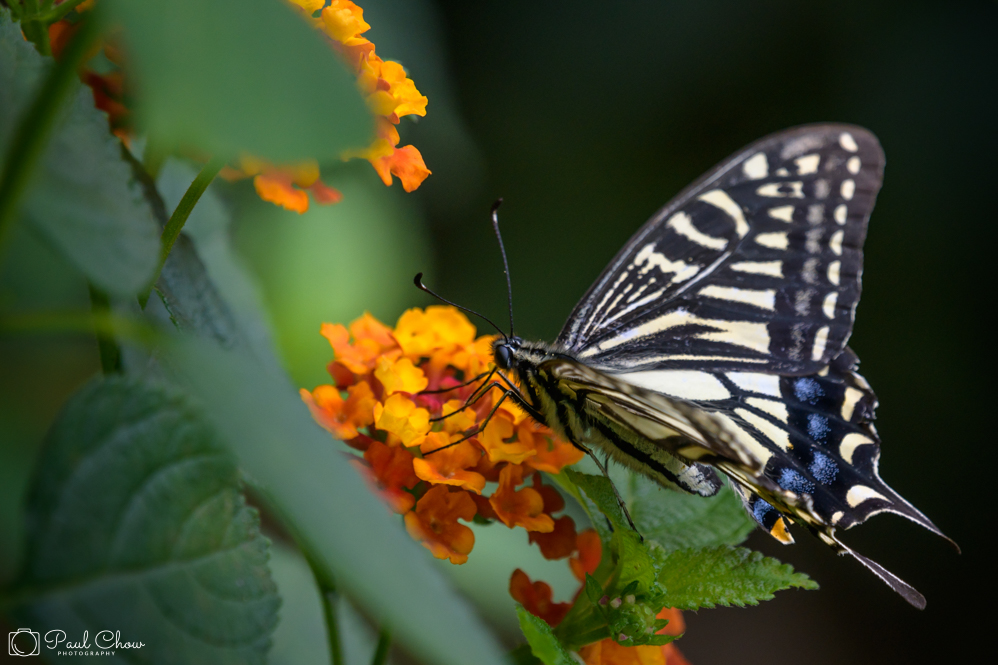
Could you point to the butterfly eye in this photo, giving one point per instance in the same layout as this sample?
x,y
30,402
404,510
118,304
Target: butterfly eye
x,y
502,356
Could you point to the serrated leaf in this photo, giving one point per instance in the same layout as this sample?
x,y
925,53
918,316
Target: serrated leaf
x,y
83,197
232,76
350,533
136,524
725,576
677,521
543,643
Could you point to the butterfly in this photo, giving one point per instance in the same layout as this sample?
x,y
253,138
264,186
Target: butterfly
x,y
716,341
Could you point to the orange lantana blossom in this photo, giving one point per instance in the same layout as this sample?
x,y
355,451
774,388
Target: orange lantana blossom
x,y
405,396
389,92
390,95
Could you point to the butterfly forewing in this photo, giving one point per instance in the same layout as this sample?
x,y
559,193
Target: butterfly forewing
x,y
755,266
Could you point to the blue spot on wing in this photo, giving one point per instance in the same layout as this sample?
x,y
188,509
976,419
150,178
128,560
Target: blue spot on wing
x,y
808,390
823,468
795,482
817,427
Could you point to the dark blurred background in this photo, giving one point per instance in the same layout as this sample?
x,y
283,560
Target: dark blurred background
x,y
587,117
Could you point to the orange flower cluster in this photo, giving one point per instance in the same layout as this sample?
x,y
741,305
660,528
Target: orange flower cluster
x,y
399,395
536,598
390,94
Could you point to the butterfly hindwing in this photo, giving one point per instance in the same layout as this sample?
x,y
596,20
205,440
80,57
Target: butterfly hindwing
x,y
756,265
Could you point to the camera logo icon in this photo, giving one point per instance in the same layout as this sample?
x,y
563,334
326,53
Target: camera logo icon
x,y
24,642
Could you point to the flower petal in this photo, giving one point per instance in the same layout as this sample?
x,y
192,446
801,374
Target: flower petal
x,y
278,189
405,163
392,469
449,466
519,507
434,523
400,416
536,598
399,376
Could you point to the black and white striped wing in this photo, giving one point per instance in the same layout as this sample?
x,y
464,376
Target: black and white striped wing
x,y
755,266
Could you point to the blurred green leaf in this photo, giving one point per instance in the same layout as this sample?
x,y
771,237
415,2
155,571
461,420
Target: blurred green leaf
x,y
726,576
543,643
136,524
83,198
233,76
333,263
320,496
207,284
300,637
677,521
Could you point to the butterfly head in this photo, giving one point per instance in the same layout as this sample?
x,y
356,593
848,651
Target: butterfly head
x,y
512,354
505,350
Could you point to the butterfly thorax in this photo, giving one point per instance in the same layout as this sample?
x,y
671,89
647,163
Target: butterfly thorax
x,y
581,405
523,360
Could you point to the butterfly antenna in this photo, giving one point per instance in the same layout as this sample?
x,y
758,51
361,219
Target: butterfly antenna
x,y
505,263
418,281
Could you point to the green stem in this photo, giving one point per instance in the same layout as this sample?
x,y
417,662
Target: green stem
x,y
36,31
327,590
59,11
105,324
107,347
32,132
384,644
179,217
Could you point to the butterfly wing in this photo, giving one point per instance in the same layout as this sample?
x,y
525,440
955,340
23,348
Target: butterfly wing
x,y
755,266
738,299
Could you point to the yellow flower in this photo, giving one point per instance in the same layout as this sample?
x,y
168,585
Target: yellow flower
x,y
343,20
400,416
399,376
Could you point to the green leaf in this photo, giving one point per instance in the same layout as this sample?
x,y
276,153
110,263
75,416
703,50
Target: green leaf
x,y
136,524
83,198
543,643
346,530
678,521
725,576
232,76
598,499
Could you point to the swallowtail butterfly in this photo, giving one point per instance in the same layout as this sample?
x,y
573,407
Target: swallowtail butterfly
x,y
716,341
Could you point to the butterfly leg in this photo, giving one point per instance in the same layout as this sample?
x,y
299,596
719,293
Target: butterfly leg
x,y
603,468
507,392
467,383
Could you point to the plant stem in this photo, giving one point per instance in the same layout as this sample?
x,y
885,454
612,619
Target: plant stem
x,y
384,644
106,324
60,10
327,590
179,217
35,126
107,347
